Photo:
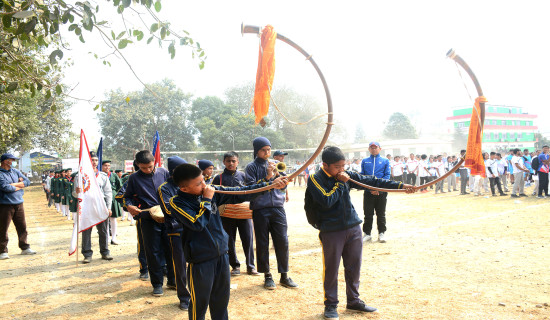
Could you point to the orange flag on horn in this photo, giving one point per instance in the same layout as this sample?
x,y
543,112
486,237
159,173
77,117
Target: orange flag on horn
x,y
265,73
474,157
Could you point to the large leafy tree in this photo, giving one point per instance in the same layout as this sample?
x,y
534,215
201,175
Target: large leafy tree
x,y
400,127
130,120
26,123
38,26
290,104
223,127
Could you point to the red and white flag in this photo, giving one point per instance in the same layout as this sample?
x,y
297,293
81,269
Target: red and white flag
x,y
92,209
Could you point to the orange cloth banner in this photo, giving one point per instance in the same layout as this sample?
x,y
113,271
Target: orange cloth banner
x,y
474,157
265,73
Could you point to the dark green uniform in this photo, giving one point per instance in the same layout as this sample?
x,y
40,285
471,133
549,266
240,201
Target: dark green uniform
x,y
73,205
66,191
116,184
56,187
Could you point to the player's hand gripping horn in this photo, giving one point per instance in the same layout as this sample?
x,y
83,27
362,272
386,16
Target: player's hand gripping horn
x,y
257,30
452,55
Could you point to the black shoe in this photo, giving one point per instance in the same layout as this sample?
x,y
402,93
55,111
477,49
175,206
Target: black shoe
x,y
87,260
144,276
523,195
514,195
107,257
184,306
171,286
331,312
158,292
466,193
288,283
235,272
269,284
503,194
361,307
494,195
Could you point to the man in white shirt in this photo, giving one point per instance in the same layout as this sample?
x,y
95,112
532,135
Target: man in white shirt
x,y
412,169
493,175
397,170
423,172
356,165
49,188
451,180
439,169
502,167
519,170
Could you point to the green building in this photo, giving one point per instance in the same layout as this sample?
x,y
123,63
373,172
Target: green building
x,y
505,127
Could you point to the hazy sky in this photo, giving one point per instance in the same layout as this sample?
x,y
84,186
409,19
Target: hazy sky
x,y
378,57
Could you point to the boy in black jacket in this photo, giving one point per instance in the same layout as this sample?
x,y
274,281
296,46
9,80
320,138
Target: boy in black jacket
x,y
204,240
329,209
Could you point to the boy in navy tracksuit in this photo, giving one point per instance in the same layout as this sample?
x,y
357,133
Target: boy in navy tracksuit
x,y
231,177
143,269
141,194
269,216
328,207
207,168
204,240
174,229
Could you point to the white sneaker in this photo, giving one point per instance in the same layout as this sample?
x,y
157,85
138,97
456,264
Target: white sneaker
x,y
366,237
381,238
28,251
4,256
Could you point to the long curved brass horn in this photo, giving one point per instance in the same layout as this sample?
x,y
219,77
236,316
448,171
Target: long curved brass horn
x,y
330,117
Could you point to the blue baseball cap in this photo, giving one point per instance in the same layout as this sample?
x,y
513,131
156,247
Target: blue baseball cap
x,y
280,153
8,156
375,143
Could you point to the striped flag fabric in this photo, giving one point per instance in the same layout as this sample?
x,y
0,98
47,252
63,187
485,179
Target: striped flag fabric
x,y
100,154
156,150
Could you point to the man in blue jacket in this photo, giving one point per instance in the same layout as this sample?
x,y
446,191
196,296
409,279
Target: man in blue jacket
x,y
269,216
12,182
377,166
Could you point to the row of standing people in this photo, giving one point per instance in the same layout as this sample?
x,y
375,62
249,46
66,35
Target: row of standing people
x,y
179,238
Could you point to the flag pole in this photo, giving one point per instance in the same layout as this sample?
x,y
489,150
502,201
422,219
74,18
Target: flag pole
x,y
77,228
77,202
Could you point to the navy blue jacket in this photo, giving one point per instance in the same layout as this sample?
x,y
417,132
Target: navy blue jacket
x,y
203,235
229,179
8,195
376,166
142,190
256,172
331,201
166,191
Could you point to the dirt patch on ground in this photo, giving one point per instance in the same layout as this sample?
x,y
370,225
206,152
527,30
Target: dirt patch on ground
x,y
447,257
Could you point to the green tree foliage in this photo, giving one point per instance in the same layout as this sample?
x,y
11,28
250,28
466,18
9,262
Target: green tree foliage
x,y
129,125
294,106
222,127
24,124
541,141
400,127
30,27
